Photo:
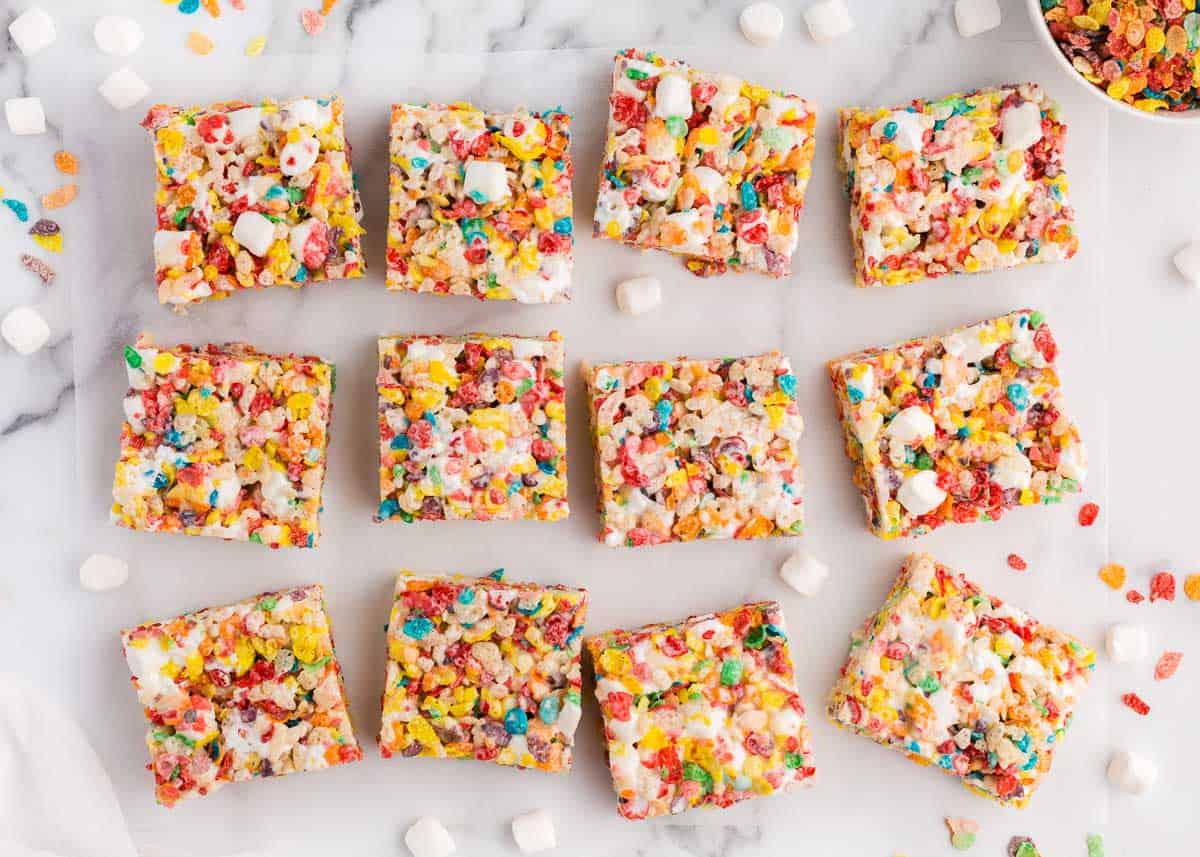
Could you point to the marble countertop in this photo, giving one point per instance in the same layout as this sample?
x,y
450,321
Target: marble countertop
x,y
1121,298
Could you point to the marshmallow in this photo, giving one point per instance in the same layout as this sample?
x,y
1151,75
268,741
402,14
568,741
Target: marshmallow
x,y
639,295
1012,470
1073,462
123,88
1187,262
427,838
911,426
804,573
1132,773
25,330
118,35
170,248
254,232
761,23
673,97
485,181
828,20
25,115
534,832
1126,644
32,30
976,16
101,572
245,122
1022,126
920,493
298,157
302,111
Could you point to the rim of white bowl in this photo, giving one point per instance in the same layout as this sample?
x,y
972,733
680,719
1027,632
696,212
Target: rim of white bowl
x,y
1190,117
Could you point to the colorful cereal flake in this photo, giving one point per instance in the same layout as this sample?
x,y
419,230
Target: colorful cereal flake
x,y
200,44
312,21
60,196
1167,664
36,266
1088,513
1162,587
1134,597
1022,846
256,46
963,832
1016,562
20,209
1113,575
47,234
1136,703
1191,587
66,162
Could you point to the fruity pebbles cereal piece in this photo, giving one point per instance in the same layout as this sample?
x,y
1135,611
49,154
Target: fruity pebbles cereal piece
x,y
483,669
956,678
959,427
233,693
1162,587
702,712
223,441
251,196
480,203
706,166
1167,664
696,449
968,183
472,427
1191,587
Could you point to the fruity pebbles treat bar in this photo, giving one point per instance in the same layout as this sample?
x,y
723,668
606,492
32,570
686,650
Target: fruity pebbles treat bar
x,y
233,693
223,441
480,203
707,166
696,449
251,196
960,427
967,183
956,678
702,712
485,669
472,427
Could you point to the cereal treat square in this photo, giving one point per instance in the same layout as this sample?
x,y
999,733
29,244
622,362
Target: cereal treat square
x,y
707,166
233,693
472,427
702,712
971,182
223,441
480,203
696,449
480,668
956,678
251,196
960,427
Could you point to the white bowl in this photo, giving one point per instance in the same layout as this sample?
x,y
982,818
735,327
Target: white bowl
x,y
1188,117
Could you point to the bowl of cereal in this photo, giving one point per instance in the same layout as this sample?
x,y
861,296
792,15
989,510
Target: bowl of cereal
x,y
1140,57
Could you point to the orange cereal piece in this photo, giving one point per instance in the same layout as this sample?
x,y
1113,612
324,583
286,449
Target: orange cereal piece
x,y
212,7
1191,587
66,162
1113,575
198,43
61,196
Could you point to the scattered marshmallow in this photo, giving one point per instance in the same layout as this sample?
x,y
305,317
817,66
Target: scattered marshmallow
x,y
534,832
920,492
1021,127
118,35
101,572
911,426
25,115
485,181
1126,644
976,16
1132,773
123,88
804,573
32,30
639,295
1187,261
25,330
761,23
254,232
828,20
427,838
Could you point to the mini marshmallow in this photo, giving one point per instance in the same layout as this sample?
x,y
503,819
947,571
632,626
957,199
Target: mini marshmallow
x,y
1022,126
911,426
761,23
123,88
639,295
101,572
32,30
976,16
1187,262
25,330
1132,773
804,573
170,248
298,157
673,97
1012,471
485,181
245,122
25,115
1126,644
118,35
427,838
254,232
534,832
920,493
828,20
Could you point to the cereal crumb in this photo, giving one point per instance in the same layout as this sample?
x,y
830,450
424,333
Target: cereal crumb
x,y
1167,664
1113,575
1016,562
1088,513
1162,587
1136,703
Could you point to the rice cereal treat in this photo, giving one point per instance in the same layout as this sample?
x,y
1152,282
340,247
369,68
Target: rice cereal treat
x,y
702,712
223,441
479,668
480,203
696,449
472,427
956,678
958,428
967,183
707,166
251,196
233,693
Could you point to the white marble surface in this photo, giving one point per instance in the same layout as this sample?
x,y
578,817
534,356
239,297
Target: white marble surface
x,y
1123,319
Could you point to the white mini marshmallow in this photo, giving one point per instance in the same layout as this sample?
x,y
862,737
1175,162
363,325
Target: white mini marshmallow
x,y
639,295
123,88
302,111
25,330
976,16
534,832
427,838
673,97
1126,643
254,232
761,23
1132,772
804,573
1073,462
298,236
32,30
245,122
101,572
1187,262
485,181
1022,126
911,426
828,20
298,157
135,412
118,35
168,248
25,115
920,492
1012,470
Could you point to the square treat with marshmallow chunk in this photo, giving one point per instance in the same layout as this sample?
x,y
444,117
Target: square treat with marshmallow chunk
x,y
234,693
472,427
960,427
480,668
480,203
707,166
696,449
968,183
223,441
251,196
956,678
702,712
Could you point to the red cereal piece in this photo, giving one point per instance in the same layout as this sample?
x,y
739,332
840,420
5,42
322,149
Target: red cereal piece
x,y
1087,514
1016,562
1162,586
1134,597
1167,664
1136,703
312,21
